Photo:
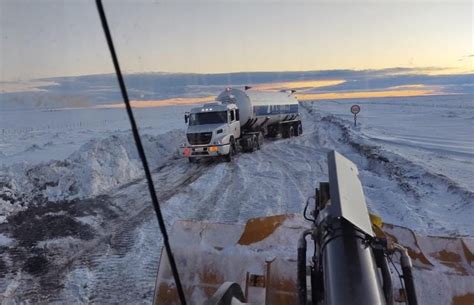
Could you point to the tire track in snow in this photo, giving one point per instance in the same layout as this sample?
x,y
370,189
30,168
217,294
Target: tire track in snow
x,y
133,260
114,241
140,237
301,166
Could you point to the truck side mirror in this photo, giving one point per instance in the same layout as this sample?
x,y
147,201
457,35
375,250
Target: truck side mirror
x,y
186,117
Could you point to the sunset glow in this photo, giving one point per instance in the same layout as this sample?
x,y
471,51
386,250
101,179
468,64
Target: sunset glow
x,y
161,103
300,85
363,94
401,91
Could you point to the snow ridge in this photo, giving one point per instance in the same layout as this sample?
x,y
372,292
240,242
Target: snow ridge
x,y
398,167
98,166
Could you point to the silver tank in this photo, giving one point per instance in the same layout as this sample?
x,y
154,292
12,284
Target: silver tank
x,y
258,109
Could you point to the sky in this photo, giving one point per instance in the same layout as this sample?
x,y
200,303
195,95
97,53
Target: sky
x,y
52,38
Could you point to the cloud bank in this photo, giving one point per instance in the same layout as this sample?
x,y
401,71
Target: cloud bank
x,y
102,89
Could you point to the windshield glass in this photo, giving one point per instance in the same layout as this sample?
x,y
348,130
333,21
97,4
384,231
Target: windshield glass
x,y
387,84
208,118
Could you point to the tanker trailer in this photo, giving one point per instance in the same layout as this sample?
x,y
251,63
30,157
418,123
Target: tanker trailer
x,y
238,121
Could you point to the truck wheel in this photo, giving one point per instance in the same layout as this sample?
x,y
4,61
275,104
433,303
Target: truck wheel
x,y
254,143
233,146
299,130
259,140
192,160
228,157
291,132
272,132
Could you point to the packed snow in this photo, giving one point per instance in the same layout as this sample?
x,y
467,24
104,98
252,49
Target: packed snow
x,y
80,168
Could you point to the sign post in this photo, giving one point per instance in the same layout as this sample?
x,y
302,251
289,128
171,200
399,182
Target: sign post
x,y
355,109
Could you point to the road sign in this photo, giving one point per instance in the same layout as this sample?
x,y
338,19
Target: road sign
x,y
355,109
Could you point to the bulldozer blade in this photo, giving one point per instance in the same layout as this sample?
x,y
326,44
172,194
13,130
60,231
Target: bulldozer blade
x,y
264,249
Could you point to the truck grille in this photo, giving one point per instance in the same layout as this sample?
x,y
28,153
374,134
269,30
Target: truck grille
x,y
199,138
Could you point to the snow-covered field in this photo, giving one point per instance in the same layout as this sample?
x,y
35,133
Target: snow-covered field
x,y
35,136
435,132
78,169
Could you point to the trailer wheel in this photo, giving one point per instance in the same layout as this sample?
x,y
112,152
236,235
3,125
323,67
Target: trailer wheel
x,y
272,132
299,130
291,132
254,143
259,140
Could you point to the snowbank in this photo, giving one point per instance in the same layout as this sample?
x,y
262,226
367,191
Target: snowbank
x,y
401,191
98,166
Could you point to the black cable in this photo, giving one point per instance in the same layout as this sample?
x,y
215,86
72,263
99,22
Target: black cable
x,y
141,153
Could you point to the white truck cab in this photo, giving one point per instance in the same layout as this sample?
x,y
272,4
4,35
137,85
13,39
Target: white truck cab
x,y
212,131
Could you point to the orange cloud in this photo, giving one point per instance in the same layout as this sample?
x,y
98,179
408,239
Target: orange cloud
x,y
363,94
466,69
298,85
161,103
397,91
301,85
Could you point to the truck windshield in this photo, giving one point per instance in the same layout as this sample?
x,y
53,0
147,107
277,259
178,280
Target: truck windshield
x,y
208,118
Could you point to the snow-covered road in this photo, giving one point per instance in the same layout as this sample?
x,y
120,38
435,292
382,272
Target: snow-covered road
x,y
110,253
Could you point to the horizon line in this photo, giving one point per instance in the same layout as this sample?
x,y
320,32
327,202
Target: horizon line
x,y
422,70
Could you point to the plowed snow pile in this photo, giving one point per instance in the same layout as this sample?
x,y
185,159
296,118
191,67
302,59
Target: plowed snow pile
x,y
97,167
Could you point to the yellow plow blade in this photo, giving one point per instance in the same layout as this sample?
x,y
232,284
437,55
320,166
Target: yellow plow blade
x,y
261,257
443,266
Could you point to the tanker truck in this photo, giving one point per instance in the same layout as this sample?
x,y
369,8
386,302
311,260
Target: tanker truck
x,y
238,120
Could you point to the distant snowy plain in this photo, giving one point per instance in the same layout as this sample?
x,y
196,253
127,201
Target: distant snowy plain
x,y
415,155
